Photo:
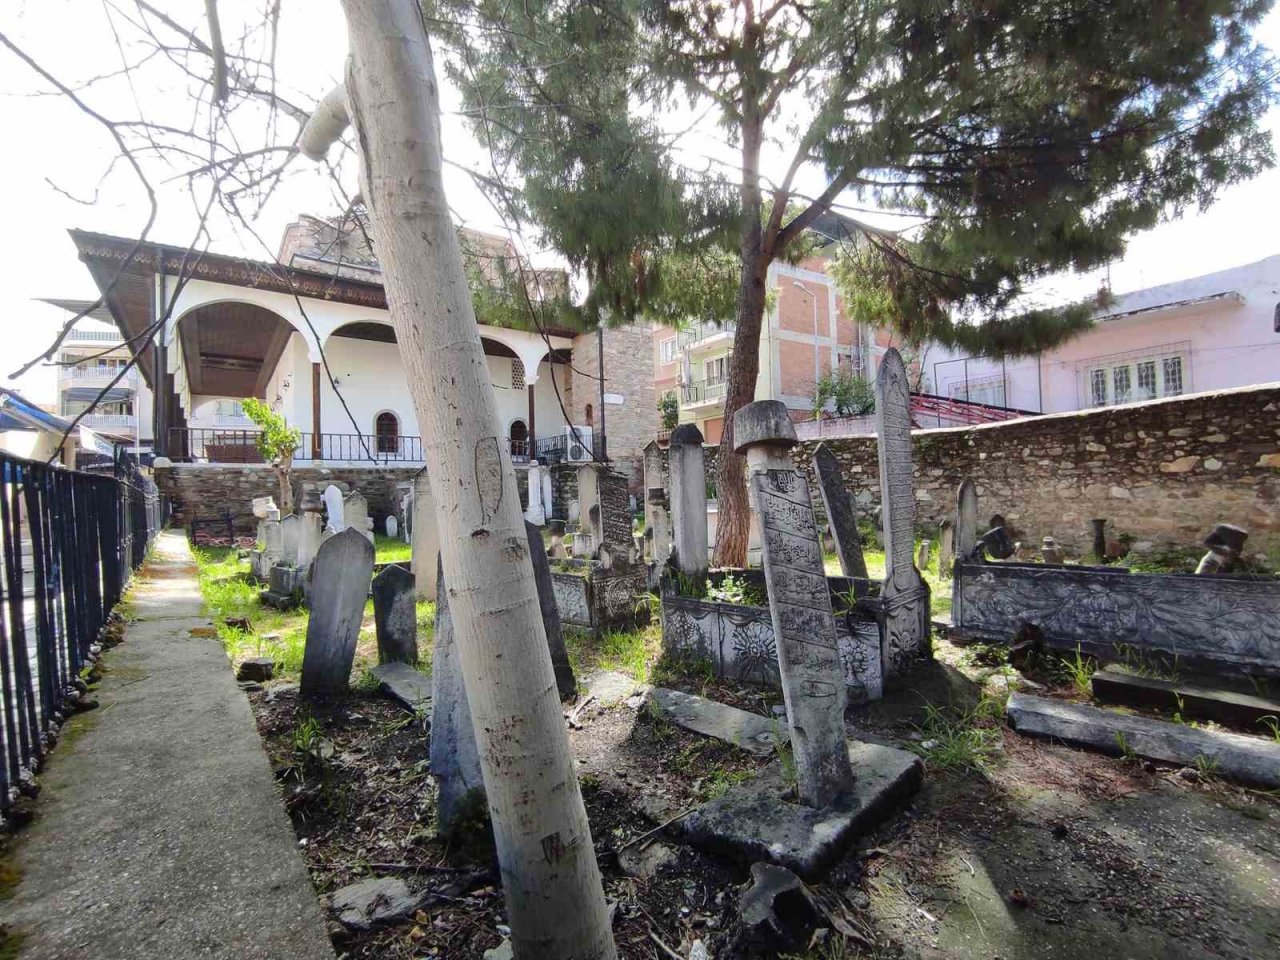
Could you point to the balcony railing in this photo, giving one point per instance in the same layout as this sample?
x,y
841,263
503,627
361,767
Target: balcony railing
x,y
109,421
553,450
702,331
218,445
98,373
104,336
703,391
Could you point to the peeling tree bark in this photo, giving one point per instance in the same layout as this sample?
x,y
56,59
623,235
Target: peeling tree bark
x,y
552,884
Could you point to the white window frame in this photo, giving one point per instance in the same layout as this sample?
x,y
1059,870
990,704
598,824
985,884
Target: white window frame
x,y
715,363
667,350
1113,376
990,390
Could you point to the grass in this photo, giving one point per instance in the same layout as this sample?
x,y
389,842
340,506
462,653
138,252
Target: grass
x,y
231,593
939,589
391,549
633,652
961,741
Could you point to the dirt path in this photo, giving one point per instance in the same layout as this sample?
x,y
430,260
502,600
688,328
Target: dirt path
x,y
159,830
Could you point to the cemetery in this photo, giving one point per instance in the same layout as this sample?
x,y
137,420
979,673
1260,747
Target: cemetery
x,y
817,757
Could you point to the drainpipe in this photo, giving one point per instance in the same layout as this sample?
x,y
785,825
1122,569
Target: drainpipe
x,y
604,452
159,354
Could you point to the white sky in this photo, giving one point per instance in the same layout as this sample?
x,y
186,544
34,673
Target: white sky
x,y
50,140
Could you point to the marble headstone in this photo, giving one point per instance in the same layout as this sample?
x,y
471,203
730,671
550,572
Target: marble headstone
x,y
395,616
339,588
966,532
813,683
688,467
290,539
334,515
905,594
842,514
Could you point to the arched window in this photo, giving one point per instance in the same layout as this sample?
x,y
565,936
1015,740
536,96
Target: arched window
x,y
588,416
519,437
387,430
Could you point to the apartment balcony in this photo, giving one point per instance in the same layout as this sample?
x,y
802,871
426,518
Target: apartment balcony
x,y
110,422
79,335
704,337
97,376
703,392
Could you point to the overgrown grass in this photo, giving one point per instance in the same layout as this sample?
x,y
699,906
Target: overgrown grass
x,y
391,549
962,740
939,588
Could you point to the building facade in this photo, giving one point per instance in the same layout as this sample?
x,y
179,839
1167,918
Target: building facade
x,y
1206,333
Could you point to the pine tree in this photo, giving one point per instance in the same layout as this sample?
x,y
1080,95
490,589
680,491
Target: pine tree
x,y
1025,137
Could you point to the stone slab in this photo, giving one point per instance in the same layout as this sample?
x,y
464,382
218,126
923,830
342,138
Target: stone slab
x,y
402,683
609,686
748,731
756,821
1233,755
1191,699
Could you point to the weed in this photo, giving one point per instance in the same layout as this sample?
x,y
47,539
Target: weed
x,y
1126,749
737,590
309,742
391,549
658,721
719,781
631,652
1080,671
367,683
1209,768
1272,724
968,741
782,747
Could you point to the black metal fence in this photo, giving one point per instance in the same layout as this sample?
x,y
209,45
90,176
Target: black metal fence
x,y
68,543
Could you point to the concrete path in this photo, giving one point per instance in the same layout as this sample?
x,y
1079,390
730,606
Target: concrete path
x,y
160,832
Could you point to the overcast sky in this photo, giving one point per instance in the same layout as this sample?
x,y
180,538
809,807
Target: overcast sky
x,y
52,147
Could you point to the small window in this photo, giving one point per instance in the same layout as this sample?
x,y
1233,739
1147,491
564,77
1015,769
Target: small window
x,y
667,350
1122,383
1147,380
588,415
387,431
517,374
1172,376
1098,387
519,437
715,369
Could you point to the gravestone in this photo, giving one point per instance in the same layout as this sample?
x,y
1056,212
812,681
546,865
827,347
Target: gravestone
x,y
687,464
925,555
1050,552
426,539
334,522
615,515
355,514
339,588
454,757
395,616
566,684
535,513
905,594
392,525
290,537
946,548
659,532
842,512
799,602
966,520
263,506
590,534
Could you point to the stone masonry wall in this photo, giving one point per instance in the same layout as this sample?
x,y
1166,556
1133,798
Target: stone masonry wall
x,y
209,489
1162,472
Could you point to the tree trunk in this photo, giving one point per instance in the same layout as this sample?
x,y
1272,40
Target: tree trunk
x,y
554,896
284,467
733,519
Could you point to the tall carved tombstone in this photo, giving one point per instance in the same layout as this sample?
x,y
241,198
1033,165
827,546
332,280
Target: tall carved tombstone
x,y
566,683
946,548
842,512
905,594
966,532
534,513
426,541
395,616
454,756
799,602
339,587
589,536
688,468
615,517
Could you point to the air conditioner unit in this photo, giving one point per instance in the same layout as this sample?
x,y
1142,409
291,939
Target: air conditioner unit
x,y
578,444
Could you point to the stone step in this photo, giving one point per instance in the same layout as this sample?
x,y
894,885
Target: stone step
x,y
1232,755
1191,699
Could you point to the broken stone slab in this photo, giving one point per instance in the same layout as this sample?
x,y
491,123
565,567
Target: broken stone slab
x,y
256,669
372,901
748,731
777,912
609,686
758,820
404,684
1190,699
645,861
1231,755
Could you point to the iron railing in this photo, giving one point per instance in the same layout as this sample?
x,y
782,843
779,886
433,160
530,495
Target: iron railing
x,y
703,391
552,450
698,332
68,544
229,445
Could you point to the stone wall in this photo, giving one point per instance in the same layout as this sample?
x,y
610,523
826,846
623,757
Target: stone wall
x,y
209,489
1162,472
